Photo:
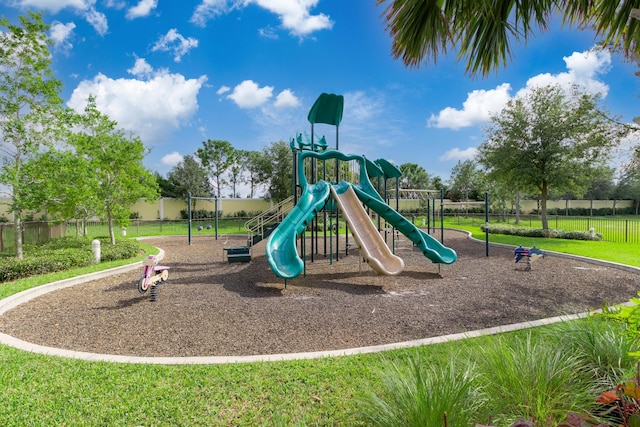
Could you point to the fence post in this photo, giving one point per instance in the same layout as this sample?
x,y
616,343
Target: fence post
x,y
486,222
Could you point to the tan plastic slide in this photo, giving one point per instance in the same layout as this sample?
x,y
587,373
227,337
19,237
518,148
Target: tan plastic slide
x,y
372,246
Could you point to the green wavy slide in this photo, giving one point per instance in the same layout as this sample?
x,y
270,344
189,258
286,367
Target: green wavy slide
x,y
430,247
281,250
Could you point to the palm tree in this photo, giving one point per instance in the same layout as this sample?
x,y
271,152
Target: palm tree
x,y
482,31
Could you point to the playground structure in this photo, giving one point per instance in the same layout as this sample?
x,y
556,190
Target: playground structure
x,y
321,197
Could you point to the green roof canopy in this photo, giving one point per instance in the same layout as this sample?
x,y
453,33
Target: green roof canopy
x,y
390,170
327,109
373,169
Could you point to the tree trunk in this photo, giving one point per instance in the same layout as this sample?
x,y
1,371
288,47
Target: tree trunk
x,y
543,207
517,207
112,235
17,238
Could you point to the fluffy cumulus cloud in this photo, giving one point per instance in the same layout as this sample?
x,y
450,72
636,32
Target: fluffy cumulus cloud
x,y
85,8
456,154
151,105
172,159
61,34
476,109
175,43
295,15
249,95
583,70
141,69
286,99
142,9
55,6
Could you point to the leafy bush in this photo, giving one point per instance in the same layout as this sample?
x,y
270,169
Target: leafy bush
x,y
123,249
63,254
539,232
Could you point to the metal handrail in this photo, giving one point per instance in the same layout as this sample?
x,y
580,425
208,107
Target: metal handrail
x,y
257,224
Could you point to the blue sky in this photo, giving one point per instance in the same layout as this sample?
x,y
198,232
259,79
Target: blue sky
x,y
177,73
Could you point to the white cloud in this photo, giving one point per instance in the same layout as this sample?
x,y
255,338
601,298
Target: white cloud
x,y
583,69
207,10
85,8
98,21
115,4
223,89
54,6
361,107
294,15
476,109
142,9
457,154
61,34
141,68
172,159
249,95
286,99
176,43
150,108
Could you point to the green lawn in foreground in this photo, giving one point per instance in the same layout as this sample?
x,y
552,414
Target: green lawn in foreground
x,y
41,390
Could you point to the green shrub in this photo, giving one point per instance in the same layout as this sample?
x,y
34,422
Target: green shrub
x,y
43,263
557,233
123,249
63,254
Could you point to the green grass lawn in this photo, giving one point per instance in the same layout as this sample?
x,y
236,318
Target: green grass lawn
x,y
37,390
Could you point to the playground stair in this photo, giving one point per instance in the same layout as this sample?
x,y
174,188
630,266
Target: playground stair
x,y
261,226
261,236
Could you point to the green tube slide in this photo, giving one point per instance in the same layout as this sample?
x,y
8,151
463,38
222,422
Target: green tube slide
x,y
281,250
430,247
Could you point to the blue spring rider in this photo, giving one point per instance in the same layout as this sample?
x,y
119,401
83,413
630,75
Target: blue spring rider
x,y
530,255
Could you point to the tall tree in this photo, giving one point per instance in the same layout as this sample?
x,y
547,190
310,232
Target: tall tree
x,y
414,176
116,161
257,170
217,157
466,180
482,31
548,139
628,187
62,183
166,188
31,113
279,159
189,176
236,172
